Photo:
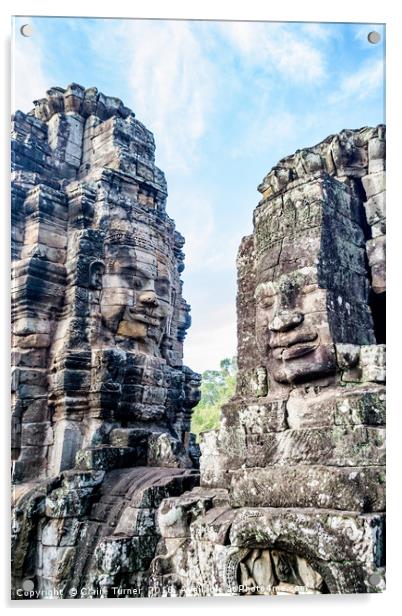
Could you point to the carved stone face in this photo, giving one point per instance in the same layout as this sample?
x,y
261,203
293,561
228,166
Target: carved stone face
x,y
264,571
311,287
192,389
292,330
136,301
96,271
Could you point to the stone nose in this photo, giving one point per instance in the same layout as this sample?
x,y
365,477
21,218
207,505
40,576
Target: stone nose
x,y
149,298
284,321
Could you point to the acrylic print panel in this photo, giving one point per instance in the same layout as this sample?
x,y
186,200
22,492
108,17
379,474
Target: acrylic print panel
x,y
240,450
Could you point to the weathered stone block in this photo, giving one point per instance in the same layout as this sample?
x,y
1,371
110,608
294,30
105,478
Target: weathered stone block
x,y
62,503
137,521
176,514
107,458
378,277
40,433
125,554
310,411
128,437
367,408
379,228
57,562
260,417
347,488
61,532
375,208
335,446
374,183
376,250
376,152
372,361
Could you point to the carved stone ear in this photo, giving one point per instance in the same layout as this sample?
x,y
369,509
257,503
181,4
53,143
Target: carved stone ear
x,y
262,382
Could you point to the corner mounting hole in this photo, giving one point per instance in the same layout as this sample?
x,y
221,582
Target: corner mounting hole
x,y
26,30
374,37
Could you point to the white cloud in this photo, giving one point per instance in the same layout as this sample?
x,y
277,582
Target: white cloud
x,y
265,130
318,31
209,245
207,343
195,219
276,47
179,73
28,76
172,84
361,84
222,252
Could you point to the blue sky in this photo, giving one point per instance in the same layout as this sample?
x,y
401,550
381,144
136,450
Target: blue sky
x,y
225,101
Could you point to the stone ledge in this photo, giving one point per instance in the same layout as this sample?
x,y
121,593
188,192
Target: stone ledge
x,y
345,488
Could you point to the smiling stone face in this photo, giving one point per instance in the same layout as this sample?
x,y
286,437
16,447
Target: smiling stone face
x,y
137,298
292,331
311,285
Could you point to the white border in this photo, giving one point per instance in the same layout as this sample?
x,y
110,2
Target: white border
x,y
291,10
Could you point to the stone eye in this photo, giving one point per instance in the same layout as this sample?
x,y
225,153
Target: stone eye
x,y
162,288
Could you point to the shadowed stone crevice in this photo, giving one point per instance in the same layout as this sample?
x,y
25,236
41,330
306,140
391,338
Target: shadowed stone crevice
x,y
378,309
376,299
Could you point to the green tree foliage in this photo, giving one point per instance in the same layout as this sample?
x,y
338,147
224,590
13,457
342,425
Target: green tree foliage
x,y
216,388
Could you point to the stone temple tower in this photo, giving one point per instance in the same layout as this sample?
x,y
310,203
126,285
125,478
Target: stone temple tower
x,y
98,327
292,496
